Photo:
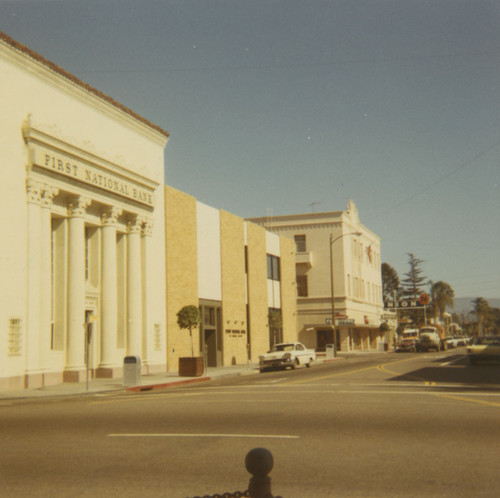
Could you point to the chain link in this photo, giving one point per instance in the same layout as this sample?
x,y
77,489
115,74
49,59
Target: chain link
x,y
235,494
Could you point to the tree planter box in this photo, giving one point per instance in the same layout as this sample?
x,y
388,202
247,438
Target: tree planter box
x,y
191,367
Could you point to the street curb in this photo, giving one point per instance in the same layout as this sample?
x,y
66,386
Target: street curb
x,y
166,385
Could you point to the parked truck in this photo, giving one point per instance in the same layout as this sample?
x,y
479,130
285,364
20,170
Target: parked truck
x,y
431,337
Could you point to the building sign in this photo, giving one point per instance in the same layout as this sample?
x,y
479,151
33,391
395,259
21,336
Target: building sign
x,y
348,321
91,175
413,302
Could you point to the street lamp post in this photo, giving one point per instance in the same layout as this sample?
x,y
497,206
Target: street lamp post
x,y
332,240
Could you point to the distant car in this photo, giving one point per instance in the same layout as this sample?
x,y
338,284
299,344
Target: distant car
x,y
450,342
484,349
287,355
460,341
428,341
406,346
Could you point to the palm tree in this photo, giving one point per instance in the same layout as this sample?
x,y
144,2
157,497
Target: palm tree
x,y
442,295
482,310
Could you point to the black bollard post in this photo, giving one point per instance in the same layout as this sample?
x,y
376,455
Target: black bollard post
x,y
259,462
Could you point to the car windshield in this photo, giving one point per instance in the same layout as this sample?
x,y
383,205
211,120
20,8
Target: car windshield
x,y
282,347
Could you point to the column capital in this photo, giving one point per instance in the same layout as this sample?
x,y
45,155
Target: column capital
x,y
48,194
134,224
34,190
78,206
109,216
147,228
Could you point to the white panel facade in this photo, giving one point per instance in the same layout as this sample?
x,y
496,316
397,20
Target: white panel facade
x,y
209,252
272,244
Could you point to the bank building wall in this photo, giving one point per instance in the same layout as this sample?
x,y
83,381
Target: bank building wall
x,y
82,252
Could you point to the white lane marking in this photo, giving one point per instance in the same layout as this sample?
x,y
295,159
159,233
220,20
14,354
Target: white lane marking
x,y
461,358
425,393
253,436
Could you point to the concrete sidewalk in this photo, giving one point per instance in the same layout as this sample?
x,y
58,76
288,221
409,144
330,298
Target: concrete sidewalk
x,y
147,383
163,380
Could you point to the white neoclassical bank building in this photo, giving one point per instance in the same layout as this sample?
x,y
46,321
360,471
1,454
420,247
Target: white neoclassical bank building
x,y
82,220
97,254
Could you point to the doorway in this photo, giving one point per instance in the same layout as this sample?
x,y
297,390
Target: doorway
x,y
211,347
324,337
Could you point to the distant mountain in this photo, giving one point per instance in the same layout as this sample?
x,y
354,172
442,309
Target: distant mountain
x,y
464,304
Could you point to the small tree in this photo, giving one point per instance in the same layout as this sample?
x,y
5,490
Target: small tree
x,y
188,318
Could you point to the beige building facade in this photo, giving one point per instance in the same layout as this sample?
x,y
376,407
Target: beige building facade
x,y
357,280
220,262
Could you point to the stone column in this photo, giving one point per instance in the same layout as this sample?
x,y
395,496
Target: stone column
x,y
134,287
46,304
147,301
33,376
75,346
109,297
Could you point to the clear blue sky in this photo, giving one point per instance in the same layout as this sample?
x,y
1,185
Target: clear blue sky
x,y
273,105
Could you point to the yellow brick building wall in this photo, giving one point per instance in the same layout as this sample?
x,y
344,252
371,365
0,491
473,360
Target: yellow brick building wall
x,y
234,314
257,290
181,271
288,289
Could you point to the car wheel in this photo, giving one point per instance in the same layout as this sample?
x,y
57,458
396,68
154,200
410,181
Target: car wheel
x,y
308,365
295,363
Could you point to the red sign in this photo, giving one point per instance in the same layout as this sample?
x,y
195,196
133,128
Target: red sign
x,y
424,299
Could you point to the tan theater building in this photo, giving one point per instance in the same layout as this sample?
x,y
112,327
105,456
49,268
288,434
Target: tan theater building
x,y
98,255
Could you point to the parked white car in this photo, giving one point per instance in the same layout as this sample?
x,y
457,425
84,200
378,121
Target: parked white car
x,y
287,354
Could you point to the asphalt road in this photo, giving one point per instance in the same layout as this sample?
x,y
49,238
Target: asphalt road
x,y
376,425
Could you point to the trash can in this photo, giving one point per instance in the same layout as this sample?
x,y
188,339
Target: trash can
x,y
131,370
330,351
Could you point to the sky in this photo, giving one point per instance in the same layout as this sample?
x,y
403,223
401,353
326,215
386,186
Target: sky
x,y
289,106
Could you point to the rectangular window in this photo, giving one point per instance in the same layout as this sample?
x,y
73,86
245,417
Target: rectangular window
x,y
273,267
302,286
15,337
208,316
300,243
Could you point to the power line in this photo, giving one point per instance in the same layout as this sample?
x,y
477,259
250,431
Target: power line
x,y
296,65
437,182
